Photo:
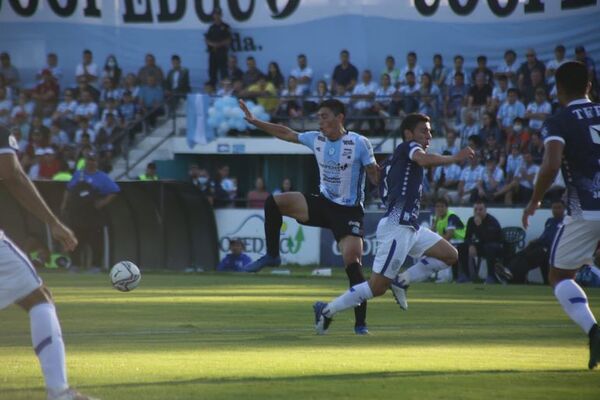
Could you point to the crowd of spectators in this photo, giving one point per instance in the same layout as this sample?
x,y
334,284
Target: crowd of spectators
x,y
57,123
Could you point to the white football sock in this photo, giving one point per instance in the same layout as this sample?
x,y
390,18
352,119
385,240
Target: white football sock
x,y
575,303
48,345
353,297
422,270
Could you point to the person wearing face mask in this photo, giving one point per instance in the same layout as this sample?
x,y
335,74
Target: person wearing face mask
x,y
201,180
112,70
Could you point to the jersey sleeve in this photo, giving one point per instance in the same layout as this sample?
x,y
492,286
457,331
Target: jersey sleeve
x,y
308,139
551,131
8,143
413,147
108,186
366,152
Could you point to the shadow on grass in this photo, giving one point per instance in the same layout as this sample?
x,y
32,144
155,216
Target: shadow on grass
x,y
324,378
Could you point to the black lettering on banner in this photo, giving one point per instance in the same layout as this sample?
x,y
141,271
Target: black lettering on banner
x,y
534,6
236,11
166,15
26,11
91,10
289,8
202,15
131,16
505,11
61,11
425,9
459,9
571,4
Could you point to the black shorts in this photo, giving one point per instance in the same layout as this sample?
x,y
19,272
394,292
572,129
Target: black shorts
x,y
342,220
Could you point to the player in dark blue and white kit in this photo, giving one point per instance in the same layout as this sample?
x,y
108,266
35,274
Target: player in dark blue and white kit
x,y
345,160
19,281
398,233
572,144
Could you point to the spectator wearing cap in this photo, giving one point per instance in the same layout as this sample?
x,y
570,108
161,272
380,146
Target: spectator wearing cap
x,y
524,72
581,56
344,74
177,84
150,70
85,203
236,260
482,68
552,65
150,174
87,69
217,39
52,66
10,72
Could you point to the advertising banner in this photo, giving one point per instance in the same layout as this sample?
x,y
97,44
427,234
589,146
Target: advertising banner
x,y
279,30
298,244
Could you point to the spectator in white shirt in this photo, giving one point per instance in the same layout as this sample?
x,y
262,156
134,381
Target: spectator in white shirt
x,y
469,176
383,95
5,107
58,137
539,110
303,74
412,66
410,92
552,65
500,92
391,70
467,129
84,128
509,68
86,109
363,97
22,111
521,186
459,62
65,111
290,102
439,72
452,145
491,181
445,180
510,109
87,68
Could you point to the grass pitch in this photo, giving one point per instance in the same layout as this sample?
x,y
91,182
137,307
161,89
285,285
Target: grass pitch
x,y
211,336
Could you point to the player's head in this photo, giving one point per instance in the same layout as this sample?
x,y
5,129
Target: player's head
x,y
417,127
572,82
331,116
441,207
558,209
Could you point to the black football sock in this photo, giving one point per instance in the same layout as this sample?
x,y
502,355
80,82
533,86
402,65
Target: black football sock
x,y
273,221
592,331
355,276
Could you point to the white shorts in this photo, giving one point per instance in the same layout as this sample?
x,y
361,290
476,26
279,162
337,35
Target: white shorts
x,y
574,243
18,277
395,242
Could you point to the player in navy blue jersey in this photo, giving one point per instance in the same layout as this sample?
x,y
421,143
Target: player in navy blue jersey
x,y
572,144
345,160
398,232
19,281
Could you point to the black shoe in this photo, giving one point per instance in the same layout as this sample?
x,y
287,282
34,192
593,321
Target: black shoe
x,y
594,347
502,274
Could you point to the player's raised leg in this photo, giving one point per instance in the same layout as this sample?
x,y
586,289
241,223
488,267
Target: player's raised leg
x,y
292,204
439,256
351,248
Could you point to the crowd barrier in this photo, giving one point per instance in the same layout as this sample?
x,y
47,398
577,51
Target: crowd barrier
x,y
157,225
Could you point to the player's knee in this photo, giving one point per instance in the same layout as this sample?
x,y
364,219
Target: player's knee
x,y
452,257
38,296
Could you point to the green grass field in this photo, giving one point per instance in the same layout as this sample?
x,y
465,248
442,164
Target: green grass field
x,y
210,336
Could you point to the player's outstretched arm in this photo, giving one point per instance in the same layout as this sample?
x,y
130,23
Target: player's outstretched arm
x,y
279,131
19,185
427,160
550,167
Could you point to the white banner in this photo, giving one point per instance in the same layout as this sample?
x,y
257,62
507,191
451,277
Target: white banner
x,y
298,244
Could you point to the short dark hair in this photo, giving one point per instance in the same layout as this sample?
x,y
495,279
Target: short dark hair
x,y
390,58
458,56
175,57
302,55
572,77
250,58
412,53
87,51
344,51
410,122
151,165
409,73
511,52
437,56
336,106
481,58
560,47
459,74
512,90
479,201
503,78
442,200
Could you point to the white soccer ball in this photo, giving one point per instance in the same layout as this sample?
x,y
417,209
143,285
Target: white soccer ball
x,y
125,276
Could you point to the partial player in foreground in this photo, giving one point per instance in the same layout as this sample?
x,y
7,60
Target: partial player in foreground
x,y
344,158
398,232
19,282
572,143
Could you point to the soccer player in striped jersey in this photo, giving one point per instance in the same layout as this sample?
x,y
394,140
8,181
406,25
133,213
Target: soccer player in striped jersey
x,y
398,232
345,159
572,144
20,283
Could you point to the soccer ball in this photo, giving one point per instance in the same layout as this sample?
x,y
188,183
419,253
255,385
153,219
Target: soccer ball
x,y
125,276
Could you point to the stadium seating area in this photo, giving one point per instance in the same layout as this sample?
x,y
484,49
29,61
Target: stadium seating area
x,y
499,111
